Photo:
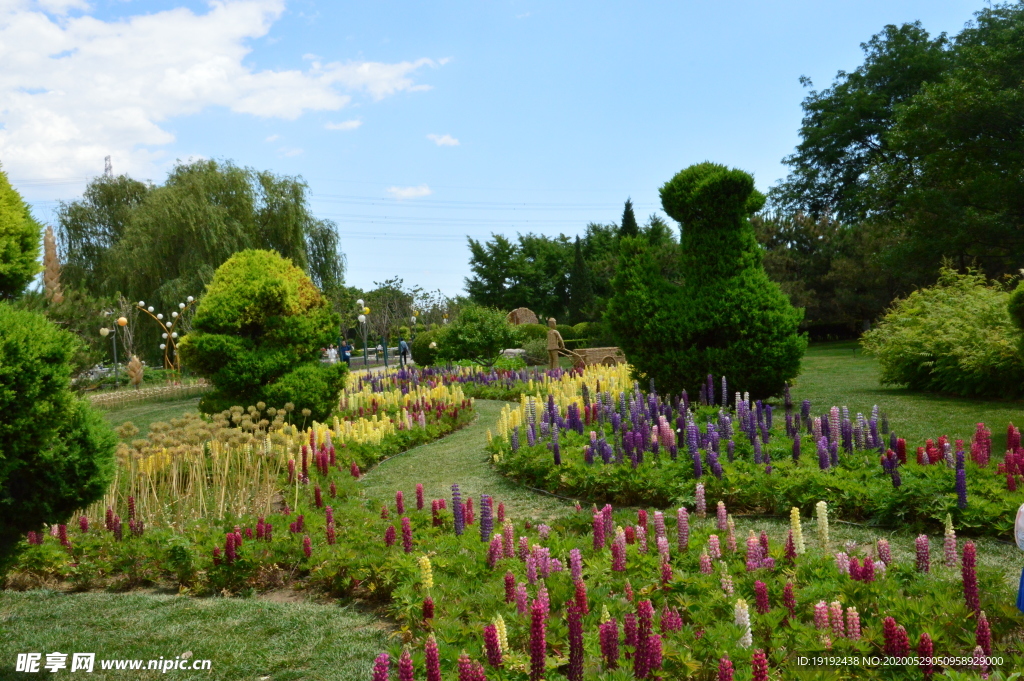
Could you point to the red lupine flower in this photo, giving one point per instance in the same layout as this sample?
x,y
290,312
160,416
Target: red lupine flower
x,y
538,644
333,490
354,470
574,615
492,646
925,650
983,634
759,666
216,555
889,634
609,638
645,627
789,599
725,669
970,576
399,502
419,496
131,507
580,597
510,587
384,513
761,596
109,520
318,497
902,642
307,546
433,660
407,535
83,523
428,608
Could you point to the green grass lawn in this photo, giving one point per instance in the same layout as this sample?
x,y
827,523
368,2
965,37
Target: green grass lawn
x,y
142,415
248,639
841,374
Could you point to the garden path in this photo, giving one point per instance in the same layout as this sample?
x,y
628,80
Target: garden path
x,y
460,458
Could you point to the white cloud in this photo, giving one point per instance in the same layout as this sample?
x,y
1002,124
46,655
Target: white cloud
x,y
272,138
74,89
289,151
443,140
409,192
344,125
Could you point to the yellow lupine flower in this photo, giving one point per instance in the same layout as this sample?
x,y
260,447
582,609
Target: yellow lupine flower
x,y
797,528
426,574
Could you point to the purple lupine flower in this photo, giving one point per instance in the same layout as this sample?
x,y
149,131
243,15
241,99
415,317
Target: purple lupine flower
x,y
486,517
823,454
521,598
492,646
458,511
576,564
538,644
961,487
574,616
923,557
609,639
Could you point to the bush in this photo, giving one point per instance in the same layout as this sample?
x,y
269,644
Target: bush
x,y
20,235
532,331
56,453
956,337
536,351
726,318
479,334
568,332
422,353
260,320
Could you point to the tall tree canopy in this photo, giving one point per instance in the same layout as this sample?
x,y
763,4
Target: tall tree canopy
x,y
164,243
20,235
923,141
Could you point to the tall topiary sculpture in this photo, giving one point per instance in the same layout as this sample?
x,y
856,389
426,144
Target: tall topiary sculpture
x,y
257,334
726,318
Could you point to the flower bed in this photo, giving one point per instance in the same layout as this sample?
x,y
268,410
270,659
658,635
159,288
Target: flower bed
x,y
630,448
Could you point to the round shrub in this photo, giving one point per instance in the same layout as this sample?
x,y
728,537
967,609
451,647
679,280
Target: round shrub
x,y
727,318
56,452
957,337
260,320
536,351
532,331
422,353
568,332
310,386
479,334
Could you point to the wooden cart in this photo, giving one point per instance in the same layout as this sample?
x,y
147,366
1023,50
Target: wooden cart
x,y
584,357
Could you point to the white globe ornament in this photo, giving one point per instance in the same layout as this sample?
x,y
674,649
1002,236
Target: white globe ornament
x,y
142,303
104,332
160,316
163,346
360,302
174,315
361,318
163,335
181,306
174,335
150,308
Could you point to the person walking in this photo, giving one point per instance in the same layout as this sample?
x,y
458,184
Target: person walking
x,y
403,351
346,353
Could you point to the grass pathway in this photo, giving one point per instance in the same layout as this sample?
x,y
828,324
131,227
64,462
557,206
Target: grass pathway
x,y
459,458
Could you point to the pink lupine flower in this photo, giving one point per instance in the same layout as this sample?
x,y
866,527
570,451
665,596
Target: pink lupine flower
x,y
923,557
576,564
524,548
659,525
574,617
333,491
725,669
580,597
705,563
433,660
723,517
714,548
666,573
835,615
683,527
629,629
852,624
428,608
843,563
759,666
949,548
821,615
521,598
510,587
702,505
405,669
381,667
884,552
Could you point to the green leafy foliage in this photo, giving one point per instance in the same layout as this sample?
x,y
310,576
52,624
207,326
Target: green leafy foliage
x,y
261,320
479,334
20,238
727,317
422,353
56,452
956,337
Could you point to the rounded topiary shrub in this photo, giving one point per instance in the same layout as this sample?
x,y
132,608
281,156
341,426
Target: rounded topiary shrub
x,y
532,331
258,334
727,318
422,353
56,452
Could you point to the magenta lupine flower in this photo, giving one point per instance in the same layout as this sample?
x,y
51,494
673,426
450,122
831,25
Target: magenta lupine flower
x,y
763,539
542,596
641,518
116,525
501,511
307,546
645,628
853,624
609,638
923,557
683,527
407,535
835,616
889,634
654,657
629,629
531,569
333,490
598,532
62,535
659,525
510,587
524,548
855,569
821,615
329,515
433,660
630,534
970,576
576,564
405,668
663,551
883,551
761,596
983,634
318,497
753,553
521,598
399,502
428,608
714,548
331,535
789,599
705,563
419,496
666,573
354,469
538,644
494,552
508,541
702,504
619,554
491,645
580,596
109,520
574,617
867,572
902,642
723,517
83,523
435,513
229,548
131,507
628,590
759,666
843,563
260,528
389,536
641,538
925,651
384,513
725,669
381,668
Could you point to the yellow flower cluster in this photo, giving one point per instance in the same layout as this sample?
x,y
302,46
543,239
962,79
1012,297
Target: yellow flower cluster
x,y
566,390
426,573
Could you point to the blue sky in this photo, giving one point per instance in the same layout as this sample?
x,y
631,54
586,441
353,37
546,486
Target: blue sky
x,y
416,124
